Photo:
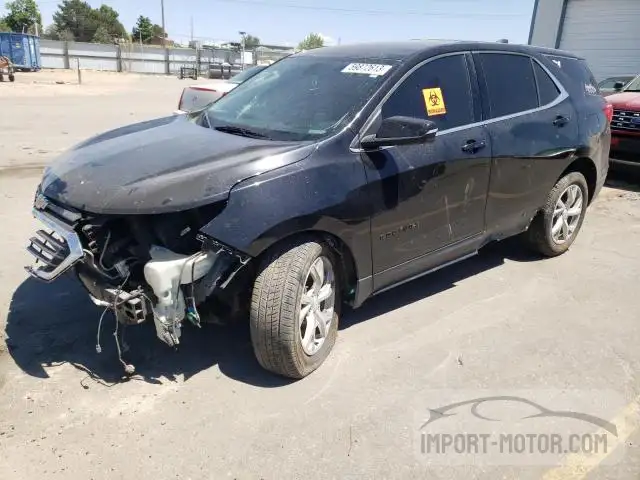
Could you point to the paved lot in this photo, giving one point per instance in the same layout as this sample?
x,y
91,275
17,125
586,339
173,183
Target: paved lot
x,y
504,321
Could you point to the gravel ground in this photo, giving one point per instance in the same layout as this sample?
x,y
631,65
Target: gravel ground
x,y
503,321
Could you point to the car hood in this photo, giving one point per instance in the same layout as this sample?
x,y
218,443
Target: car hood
x,y
165,165
625,100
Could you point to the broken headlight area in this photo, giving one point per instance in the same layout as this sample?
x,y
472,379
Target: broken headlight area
x,y
143,267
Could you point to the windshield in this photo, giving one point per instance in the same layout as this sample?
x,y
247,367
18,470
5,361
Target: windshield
x,y
246,74
299,98
634,86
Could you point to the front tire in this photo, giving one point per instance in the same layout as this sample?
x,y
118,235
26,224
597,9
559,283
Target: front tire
x,y
556,227
294,309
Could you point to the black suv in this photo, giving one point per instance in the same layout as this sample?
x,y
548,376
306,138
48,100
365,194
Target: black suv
x,y
329,177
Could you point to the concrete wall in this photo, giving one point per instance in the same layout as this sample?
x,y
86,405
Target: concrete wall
x,y
137,58
545,24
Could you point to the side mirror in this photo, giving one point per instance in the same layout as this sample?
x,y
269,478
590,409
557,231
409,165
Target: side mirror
x,y
400,130
618,86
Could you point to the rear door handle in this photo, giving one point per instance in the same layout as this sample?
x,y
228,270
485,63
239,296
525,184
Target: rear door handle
x,y
473,146
561,121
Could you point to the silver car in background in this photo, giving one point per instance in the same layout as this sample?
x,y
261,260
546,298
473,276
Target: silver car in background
x,y
612,85
197,96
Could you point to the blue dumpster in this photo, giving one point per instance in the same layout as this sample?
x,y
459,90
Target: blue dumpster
x,y
22,49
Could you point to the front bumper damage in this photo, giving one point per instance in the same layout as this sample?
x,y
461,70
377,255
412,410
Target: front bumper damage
x,y
169,289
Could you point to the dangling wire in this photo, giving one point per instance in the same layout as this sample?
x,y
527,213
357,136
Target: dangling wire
x,y
129,369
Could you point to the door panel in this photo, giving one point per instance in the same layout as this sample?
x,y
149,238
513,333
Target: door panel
x,y
429,196
531,148
426,197
530,153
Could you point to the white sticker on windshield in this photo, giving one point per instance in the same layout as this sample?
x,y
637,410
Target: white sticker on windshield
x,y
373,69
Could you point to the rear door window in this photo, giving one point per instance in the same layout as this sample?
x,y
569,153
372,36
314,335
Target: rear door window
x,y
510,83
547,89
439,91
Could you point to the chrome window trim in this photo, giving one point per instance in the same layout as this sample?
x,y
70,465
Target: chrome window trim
x,y
378,110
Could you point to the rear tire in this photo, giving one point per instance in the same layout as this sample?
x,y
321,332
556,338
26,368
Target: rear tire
x,y
12,77
294,309
555,228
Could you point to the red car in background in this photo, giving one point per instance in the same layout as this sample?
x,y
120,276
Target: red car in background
x,y
625,126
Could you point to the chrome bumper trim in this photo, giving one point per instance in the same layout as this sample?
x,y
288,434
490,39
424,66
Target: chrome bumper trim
x,y
72,240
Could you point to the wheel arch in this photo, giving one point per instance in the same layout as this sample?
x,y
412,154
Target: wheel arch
x,y
587,168
347,268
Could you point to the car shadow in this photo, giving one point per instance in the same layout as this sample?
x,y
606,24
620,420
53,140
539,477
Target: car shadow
x,y
624,179
490,257
54,324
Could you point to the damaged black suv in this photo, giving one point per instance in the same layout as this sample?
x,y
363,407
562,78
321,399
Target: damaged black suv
x,y
330,176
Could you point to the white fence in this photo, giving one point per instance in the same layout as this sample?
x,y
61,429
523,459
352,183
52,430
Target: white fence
x,y
141,58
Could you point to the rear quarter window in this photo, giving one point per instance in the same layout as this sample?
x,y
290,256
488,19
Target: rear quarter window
x,y
547,89
579,73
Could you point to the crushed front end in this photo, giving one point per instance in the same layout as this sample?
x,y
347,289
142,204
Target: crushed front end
x,y
142,267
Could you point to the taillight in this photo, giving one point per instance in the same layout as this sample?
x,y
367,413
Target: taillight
x,y
608,111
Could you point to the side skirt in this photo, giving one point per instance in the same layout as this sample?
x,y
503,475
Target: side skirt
x,y
417,268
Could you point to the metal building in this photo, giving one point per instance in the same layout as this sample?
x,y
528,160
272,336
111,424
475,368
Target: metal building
x,y
605,32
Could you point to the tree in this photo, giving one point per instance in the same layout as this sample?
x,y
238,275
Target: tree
x,y
82,22
51,33
102,35
109,18
4,26
76,17
313,40
23,16
143,30
157,31
251,42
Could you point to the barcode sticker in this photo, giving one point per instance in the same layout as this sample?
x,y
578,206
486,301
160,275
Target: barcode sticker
x,y
373,69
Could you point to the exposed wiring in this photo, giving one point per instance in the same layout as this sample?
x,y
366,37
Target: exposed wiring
x,y
128,368
193,258
115,304
106,245
104,250
98,346
192,310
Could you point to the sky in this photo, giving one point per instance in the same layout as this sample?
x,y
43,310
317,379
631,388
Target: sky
x,y
286,22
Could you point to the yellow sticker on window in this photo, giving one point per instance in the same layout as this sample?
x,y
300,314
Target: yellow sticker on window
x,y
434,101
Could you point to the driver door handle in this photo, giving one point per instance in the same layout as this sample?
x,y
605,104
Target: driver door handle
x,y
473,146
561,121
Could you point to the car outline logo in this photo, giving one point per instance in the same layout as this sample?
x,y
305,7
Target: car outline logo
x,y
447,411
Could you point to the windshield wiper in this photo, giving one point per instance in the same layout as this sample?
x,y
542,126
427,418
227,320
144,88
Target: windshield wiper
x,y
245,132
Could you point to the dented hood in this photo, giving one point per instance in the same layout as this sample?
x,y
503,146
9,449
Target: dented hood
x,y
164,165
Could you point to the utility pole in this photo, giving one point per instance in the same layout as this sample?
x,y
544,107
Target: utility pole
x,y
191,28
242,37
164,32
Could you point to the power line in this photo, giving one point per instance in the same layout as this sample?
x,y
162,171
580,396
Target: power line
x,y
374,12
